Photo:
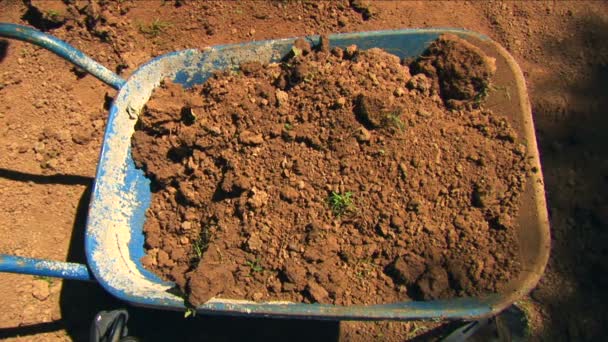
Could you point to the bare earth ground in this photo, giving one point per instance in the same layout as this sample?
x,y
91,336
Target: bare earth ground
x,y
52,119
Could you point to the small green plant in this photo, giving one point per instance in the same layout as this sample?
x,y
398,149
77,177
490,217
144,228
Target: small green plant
x,y
341,203
202,243
254,265
199,248
48,280
53,15
485,92
394,120
155,28
417,329
288,126
296,51
190,312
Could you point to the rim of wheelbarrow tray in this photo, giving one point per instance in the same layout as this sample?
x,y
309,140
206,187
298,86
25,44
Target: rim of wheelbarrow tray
x,y
121,193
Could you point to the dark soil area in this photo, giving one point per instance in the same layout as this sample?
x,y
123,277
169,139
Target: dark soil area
x,y
336,176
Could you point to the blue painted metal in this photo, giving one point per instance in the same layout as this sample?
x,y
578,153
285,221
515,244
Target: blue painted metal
x,y
114,241
45,268
62,49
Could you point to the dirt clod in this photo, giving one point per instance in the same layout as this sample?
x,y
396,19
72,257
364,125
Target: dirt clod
x,y
461,70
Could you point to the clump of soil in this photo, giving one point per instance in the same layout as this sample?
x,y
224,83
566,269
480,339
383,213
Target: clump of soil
x,y
336,176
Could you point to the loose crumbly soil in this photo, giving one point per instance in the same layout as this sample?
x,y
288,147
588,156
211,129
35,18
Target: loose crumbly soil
x,y
333,177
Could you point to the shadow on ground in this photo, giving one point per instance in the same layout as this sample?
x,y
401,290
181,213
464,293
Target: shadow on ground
x,y
572,130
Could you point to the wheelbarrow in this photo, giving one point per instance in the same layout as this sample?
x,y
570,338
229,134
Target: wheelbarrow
x,y
114,240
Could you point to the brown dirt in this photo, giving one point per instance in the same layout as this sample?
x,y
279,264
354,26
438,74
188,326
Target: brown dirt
x,y
559,45
254,174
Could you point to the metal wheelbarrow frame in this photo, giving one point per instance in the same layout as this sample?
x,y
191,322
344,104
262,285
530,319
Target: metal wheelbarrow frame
x,y
114,238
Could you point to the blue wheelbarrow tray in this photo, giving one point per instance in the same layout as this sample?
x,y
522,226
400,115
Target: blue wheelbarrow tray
x,y
114,238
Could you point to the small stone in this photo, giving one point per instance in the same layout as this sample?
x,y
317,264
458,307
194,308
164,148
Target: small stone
x,y
186,225
301,185
396,222
423,113
254,243
316,292
250,138
64,135
257,296
363,135
98,124
399,92
22,149
40,290
382,229
39,146
51,163
407,269
350,51
289,194
282,98
249,68
252,32
258,198
287,287
164,260
214,130
81,137
419,82
148,261
340,102
338,52
20,60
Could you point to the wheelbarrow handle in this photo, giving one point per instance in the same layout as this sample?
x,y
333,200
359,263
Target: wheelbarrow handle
x,y
40,267
62,49
44,268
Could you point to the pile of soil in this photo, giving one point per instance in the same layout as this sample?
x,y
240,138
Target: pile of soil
x,y
335,176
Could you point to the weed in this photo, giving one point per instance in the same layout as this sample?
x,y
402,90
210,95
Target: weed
x,y
288,126
485,92
296,51
254,265
394,120
364,267
53,15
527,308
202,243
155,28
341,203
417,328
48,280
26,53
190,312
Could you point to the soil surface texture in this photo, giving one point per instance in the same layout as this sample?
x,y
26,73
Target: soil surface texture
x,y
336,176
